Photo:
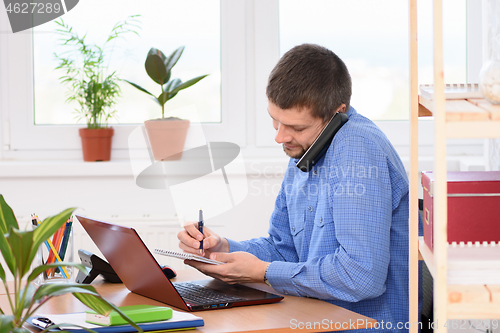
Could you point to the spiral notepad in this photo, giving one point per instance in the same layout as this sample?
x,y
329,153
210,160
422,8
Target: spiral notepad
x,y
188,256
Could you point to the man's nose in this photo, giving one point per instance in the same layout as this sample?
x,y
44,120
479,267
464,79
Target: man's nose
x,y
282,134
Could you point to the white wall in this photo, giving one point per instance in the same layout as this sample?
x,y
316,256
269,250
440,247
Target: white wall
x,y
109,192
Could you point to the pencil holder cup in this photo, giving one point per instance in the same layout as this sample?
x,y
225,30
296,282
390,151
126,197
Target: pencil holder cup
x,y
58,248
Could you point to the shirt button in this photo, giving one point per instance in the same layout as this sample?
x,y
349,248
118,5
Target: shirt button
x,y
293,228
315,172
310,209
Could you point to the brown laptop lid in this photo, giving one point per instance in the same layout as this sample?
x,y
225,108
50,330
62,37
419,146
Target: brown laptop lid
x,y
132,261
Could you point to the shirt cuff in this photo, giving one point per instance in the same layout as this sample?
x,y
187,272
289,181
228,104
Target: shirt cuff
x,y
279,274
235,246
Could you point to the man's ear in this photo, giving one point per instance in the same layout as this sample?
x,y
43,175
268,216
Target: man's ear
x,y
341,108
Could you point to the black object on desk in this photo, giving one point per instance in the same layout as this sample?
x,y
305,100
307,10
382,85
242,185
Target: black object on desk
x,y
95,266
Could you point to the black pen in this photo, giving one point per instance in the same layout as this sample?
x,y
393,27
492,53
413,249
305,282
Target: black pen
x,y
200,229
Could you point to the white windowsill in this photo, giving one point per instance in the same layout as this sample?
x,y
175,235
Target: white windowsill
x,y
113,168
255,166
64,168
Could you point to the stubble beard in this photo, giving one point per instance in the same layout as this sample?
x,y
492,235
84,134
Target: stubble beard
x,y
294,155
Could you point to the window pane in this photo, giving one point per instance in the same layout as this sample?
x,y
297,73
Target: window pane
x,y
166,25
371,36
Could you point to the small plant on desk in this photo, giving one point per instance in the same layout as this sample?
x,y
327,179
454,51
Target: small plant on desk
x,y
18,250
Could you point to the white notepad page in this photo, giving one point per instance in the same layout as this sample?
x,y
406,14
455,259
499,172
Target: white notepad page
x,y
187,256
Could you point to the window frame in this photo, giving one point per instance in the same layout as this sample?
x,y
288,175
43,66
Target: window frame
x,y
249,50
24,138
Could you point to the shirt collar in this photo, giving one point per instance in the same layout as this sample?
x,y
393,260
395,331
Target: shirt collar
x,y
351,111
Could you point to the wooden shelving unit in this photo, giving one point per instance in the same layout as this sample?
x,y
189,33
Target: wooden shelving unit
x,y
469,294
459,118
466,118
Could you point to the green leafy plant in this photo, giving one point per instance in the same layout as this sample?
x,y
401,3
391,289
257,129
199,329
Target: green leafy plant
x,y
159,68
85,73
18,250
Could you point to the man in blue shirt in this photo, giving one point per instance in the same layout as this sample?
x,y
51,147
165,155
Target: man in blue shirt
x,y
340,231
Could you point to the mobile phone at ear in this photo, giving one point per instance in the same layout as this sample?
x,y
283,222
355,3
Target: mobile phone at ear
x,y
322,142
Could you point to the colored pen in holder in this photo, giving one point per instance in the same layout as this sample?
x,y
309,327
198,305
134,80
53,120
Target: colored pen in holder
x,y
55,249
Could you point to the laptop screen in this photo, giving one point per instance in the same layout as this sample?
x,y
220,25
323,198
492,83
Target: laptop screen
x,y
132,261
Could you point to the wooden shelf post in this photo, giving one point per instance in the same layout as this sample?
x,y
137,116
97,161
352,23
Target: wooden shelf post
x,y
440,168
413,200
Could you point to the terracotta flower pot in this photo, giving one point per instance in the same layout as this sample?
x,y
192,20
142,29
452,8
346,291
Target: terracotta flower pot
x,y
167,138
96,144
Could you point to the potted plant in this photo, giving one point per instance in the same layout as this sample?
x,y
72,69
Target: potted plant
x,y
91,86
25,298
166,135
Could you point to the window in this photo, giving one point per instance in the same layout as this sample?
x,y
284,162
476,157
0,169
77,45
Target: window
x,y
165,25
385,22
29,135
371,36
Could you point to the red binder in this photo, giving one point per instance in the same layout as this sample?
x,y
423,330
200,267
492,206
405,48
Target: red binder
x,y
473,206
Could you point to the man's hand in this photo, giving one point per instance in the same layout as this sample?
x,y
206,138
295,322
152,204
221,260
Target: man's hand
x,y
239,267
190,239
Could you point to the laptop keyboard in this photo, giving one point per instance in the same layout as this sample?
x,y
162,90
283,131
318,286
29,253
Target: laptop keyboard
x,y
198,294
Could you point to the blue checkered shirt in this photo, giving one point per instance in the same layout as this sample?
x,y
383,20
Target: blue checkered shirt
x,y
340,232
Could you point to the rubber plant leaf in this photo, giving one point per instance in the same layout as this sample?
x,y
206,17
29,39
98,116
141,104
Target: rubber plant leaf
x,y
164,58
156,69
163,98
154,99
188,84
159,53
174,57
172,85
140,88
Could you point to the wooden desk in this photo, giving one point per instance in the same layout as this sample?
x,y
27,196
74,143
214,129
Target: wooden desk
x,y
279,317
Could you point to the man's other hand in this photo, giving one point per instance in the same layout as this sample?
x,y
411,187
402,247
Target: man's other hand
x,y
239,267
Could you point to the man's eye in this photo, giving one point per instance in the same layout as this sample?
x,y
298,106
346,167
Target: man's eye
x,y
298,129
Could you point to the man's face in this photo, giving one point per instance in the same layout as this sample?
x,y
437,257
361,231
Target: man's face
x,y
296,128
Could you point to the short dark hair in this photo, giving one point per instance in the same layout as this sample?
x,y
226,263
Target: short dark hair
x,y
310,76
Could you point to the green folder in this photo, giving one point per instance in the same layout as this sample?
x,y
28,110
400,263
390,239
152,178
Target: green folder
x,y
137,313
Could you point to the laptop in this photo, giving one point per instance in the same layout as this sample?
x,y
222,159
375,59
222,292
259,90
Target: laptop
x,y
140,272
